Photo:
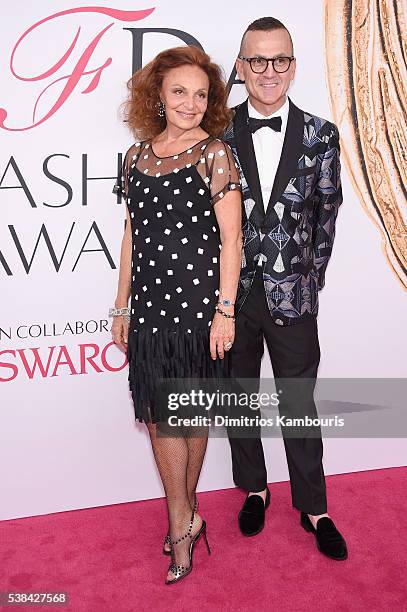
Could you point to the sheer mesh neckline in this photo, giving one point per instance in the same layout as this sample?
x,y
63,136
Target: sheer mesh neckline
x,y
211,158
150,164
176,155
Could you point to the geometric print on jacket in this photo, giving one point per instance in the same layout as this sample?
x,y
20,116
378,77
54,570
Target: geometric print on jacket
x,y
294,237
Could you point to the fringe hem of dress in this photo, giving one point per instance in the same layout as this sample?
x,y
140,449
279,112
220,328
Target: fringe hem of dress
x,y
174,356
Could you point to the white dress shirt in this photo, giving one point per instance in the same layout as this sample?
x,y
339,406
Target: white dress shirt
x,y
268,145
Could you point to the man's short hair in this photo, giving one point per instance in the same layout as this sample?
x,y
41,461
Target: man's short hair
x,y
266,24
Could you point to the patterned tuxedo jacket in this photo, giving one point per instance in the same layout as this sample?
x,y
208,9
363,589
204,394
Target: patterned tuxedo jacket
x,y
293,238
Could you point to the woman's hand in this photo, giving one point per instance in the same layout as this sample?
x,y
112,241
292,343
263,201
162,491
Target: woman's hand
x,y
120,332
222,335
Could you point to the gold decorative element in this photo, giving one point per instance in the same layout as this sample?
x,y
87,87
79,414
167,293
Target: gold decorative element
x,y
366,55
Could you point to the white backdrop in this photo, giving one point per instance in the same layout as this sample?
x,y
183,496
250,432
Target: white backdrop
x,y
68,437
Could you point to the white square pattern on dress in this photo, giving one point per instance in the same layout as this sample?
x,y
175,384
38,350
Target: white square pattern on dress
x,y
174,199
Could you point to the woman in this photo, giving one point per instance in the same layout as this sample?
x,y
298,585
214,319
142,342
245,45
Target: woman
x,y
180,262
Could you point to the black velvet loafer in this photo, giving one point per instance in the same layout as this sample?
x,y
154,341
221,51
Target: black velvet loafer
x,y
252,515
329,541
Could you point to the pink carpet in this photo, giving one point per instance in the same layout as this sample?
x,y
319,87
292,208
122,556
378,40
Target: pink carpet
x,y
109,559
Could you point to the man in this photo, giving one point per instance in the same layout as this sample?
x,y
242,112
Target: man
x,y
290,173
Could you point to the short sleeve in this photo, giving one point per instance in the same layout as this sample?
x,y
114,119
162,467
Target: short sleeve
x,y
120,186
222,170
122,181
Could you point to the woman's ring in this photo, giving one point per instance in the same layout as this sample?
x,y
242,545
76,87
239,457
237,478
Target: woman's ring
x,y
228,345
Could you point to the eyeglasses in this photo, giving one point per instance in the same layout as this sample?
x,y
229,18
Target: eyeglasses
x,y
260,64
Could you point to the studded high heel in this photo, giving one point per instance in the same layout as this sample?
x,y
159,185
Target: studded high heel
x,y
180,571
167,539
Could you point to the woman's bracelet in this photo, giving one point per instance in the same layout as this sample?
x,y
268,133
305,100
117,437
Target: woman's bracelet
x,y
224,314
120,312
225,302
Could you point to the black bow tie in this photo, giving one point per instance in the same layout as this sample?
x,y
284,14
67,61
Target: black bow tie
x,y
274,123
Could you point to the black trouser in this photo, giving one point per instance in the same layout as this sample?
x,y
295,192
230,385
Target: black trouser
x,y
294,353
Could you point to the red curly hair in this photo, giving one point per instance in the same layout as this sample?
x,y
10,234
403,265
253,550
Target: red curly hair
x,y
141,108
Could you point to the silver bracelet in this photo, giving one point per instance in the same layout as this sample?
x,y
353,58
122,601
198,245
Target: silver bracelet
x,y
120,312
226,302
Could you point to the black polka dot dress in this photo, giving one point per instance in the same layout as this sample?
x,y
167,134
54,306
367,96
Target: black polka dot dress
x,y
175,263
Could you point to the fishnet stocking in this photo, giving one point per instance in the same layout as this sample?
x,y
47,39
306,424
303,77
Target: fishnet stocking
x,y
179,457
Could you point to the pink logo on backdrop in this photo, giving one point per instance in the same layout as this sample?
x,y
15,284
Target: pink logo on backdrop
x,y
81,68
36,363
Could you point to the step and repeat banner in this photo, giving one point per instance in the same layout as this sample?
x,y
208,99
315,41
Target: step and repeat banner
x,y
68,438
